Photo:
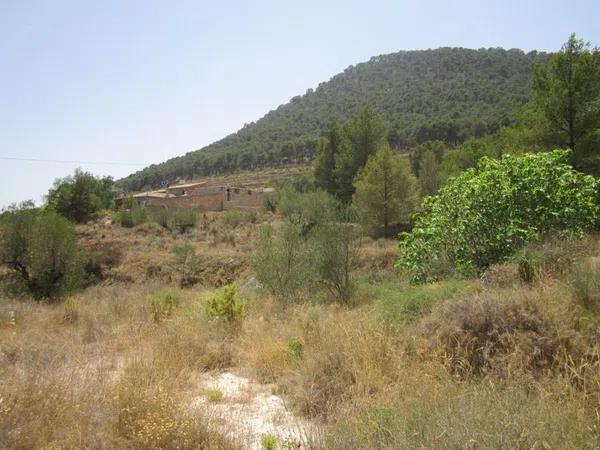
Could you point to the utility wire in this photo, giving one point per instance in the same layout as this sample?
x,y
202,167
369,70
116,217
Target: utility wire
x,y
65,161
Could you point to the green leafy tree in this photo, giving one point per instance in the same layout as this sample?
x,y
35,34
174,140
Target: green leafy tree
x,y
313,248
41,249
81,196
386,191
366,134
487,213
567,91
283,262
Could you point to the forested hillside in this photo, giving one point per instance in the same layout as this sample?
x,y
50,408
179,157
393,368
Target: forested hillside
x,y
448,94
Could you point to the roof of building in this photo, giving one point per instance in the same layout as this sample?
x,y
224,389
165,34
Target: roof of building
x,y
153,194
188,185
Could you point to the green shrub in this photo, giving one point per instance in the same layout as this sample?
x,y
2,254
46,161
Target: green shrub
x,y
268,442
174,219
226,304
162,306
214,395
283,262
312,249
485,214
307,210
270,201
294,349
131,217
335,257
41,250
185,265
232,218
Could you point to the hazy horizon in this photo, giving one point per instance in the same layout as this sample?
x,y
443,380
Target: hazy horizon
x,y
143,82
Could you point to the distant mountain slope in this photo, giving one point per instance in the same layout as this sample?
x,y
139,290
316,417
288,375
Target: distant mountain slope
x,y
447,93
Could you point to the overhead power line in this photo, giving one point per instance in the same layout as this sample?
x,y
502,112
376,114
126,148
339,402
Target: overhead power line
x,y
74,161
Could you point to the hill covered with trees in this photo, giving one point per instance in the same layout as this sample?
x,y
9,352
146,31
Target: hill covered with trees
x,y
447,94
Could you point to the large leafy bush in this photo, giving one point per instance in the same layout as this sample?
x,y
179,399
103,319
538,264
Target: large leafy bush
x,y
41,250
80,197
485,214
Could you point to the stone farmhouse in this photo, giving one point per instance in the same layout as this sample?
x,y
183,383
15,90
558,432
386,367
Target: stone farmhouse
x,y
203,198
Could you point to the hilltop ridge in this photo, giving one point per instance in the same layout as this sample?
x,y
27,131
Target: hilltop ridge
x,y
446,93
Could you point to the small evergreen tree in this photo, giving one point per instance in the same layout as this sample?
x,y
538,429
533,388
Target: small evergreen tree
x,y
365,134
386,191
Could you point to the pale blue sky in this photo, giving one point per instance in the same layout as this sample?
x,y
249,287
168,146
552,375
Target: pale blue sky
x,y
142,81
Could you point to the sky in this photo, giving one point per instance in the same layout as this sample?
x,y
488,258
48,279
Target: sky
x,y
114,85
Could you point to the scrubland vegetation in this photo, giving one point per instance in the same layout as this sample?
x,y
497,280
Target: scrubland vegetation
x,y
479,327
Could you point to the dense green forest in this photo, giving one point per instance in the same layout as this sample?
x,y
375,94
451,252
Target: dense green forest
x,y
447,94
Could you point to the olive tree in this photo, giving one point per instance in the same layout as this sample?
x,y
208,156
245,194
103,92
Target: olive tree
x,y
41,249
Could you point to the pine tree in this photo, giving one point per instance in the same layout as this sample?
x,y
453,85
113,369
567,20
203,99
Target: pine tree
x,y
386,191
567,92
366,134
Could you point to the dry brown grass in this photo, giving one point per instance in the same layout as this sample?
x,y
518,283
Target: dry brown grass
x,y
509,365
97,371
143,253
377,255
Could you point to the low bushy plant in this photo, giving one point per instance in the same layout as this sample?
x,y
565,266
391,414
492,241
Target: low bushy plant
x,y
294,349
269,442
226,304
131,217
232,218
214,395
283,262
335,257
174,219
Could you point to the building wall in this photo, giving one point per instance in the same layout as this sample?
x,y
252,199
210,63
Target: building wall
x,y
202,203
241,199
206,199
